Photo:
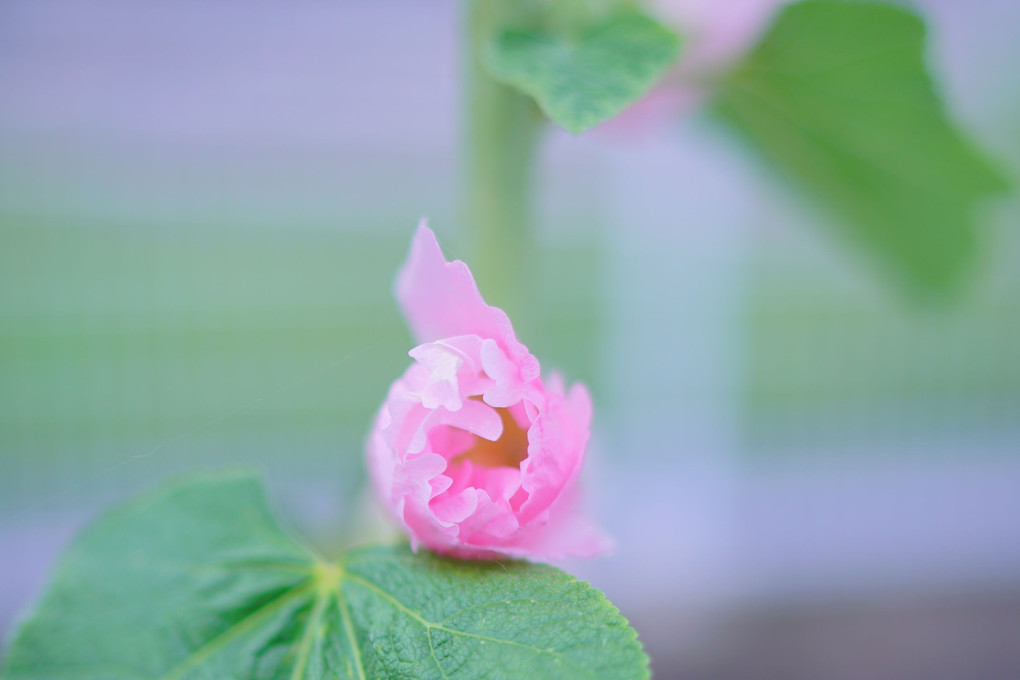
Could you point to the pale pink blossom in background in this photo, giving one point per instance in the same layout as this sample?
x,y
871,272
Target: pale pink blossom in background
x,y
473,452
715,34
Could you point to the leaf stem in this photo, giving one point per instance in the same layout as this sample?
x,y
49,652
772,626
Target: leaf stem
x,y
501,138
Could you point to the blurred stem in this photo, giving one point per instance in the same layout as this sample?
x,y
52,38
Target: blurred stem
x,y
501,138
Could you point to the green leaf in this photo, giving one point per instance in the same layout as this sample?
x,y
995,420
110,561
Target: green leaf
x,y
582,79
838,96
198,582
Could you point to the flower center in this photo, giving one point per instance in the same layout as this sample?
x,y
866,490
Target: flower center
x,y
507,451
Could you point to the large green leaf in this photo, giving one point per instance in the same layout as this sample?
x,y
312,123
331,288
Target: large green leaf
x,y
198,582
838,96
585,78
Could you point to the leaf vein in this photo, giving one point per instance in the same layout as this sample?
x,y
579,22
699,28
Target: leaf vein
x,y
305,648
432,651
226,637
345,616
453,631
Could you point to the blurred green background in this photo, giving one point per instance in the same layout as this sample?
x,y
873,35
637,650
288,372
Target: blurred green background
x,y
202,211
219,342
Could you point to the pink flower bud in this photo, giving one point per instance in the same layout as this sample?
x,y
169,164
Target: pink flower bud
x,y
472,452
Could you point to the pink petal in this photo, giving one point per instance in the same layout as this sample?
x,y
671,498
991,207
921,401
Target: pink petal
x,y
718,31
510,377
404,431
569,534
443,365
440,299
449,442
556,446
455,507
473,416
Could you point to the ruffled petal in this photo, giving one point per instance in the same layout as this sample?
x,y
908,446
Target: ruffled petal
x,y
440,299
556,445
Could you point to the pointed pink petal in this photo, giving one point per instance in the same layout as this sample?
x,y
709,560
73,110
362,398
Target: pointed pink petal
x,y
440,299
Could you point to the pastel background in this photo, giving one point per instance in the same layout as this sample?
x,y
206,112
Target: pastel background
x,y
202,209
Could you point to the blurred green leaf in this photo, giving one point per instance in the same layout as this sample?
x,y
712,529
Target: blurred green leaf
x,y
198,581
838,96
584,78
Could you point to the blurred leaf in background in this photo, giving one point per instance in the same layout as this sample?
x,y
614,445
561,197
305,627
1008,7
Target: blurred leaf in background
x,y
581,78
838,97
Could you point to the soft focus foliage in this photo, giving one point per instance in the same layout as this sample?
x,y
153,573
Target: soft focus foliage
x,y
838,96
581,77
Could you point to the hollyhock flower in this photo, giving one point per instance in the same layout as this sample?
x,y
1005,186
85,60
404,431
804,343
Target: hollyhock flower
x,y
473,452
